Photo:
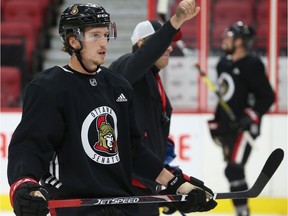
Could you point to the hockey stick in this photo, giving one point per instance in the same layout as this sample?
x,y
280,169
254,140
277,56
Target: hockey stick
x,y
271,165
212,87
223,104
116,200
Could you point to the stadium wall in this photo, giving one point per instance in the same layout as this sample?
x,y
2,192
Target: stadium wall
x,y
197,155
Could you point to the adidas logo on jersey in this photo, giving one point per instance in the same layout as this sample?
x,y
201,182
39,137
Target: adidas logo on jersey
x,y
121,98
236,71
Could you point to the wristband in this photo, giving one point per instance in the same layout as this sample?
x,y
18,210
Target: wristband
x,y
16,185
252,114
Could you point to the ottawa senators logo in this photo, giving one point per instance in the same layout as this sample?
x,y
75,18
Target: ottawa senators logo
x,y
226,86
106,136
74,10
104,149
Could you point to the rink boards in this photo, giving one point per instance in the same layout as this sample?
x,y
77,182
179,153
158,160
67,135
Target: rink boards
x,y
197,155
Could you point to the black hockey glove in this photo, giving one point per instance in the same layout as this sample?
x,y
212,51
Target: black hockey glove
x,y
194,181
199,184
28,198
249,117
245,122
198,199
168,208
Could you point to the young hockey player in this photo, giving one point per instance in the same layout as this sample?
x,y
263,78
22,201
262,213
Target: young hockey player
x,y
78,137
243,84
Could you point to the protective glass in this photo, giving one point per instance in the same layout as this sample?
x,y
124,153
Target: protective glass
x,y
96,36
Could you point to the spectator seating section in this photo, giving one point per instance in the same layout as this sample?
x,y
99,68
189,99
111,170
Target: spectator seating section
x,y
231,11
24,30
261,37
31,20
10,86
262,20
189,29
217,35
253,12
283,24
13,52
190,33
24,25
29,11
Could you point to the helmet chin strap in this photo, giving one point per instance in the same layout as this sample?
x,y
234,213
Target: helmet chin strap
x,y
79,58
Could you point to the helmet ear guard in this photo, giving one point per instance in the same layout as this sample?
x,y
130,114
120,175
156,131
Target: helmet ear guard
x,y
78,33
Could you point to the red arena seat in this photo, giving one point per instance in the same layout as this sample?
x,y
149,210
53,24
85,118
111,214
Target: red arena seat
x,y
261,36
232,11
10,86
29,11
21,29
217,35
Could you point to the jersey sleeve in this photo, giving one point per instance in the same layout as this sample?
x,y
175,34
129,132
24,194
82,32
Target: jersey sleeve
x,y
140,62
31,148
142,157
260,86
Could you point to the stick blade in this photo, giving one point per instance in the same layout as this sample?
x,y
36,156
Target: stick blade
x,y
273,162
271,165
267,172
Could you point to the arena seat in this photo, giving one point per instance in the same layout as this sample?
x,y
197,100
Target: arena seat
x,y
24,30
283,36
217,36
283,24
10,86
29,11
261,37
188,29
13,52
189,33
262,15
231,11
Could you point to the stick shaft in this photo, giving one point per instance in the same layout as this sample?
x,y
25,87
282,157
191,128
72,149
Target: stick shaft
x,y
271,165
116,200
212,87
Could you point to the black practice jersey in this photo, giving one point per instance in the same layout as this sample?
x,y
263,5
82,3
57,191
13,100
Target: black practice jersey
x,y
243,84
138,68
79,137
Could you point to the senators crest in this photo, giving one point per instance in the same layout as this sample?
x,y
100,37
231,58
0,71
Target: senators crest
x,y
101,146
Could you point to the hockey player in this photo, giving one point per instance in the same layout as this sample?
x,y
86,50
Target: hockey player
x,y
78,136
151,48
243,84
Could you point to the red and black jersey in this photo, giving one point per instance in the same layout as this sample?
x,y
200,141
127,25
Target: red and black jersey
x,y
243,84
78,135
